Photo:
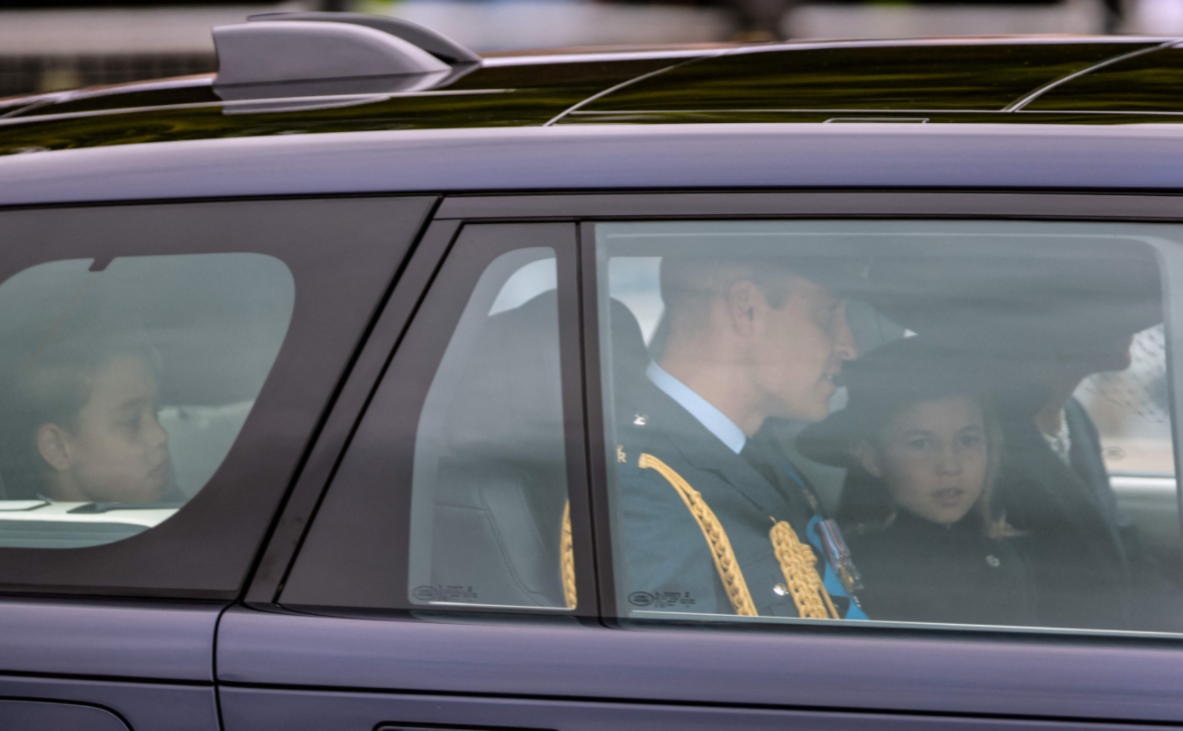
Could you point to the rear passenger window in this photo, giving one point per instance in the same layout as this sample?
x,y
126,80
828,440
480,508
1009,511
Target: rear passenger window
x,y
489,492
464,487
164,369
963,424
125,384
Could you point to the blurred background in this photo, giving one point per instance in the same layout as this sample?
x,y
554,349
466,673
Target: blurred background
x,y
57,44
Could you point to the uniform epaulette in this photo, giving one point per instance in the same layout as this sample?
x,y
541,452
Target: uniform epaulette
x,y
716,537
797,560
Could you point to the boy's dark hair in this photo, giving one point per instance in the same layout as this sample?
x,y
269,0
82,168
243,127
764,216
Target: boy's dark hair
x,y
52,387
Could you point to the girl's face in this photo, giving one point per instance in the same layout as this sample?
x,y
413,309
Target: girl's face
x,y
933,458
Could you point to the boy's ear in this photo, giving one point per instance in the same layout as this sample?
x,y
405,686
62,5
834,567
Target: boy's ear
x,y
51,443
868,457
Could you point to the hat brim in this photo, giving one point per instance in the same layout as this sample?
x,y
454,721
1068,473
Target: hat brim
x,y
830,441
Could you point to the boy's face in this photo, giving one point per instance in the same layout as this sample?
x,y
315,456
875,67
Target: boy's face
x,y
117,450
933,458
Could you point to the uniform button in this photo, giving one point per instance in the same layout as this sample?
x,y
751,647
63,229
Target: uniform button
x,y
993,561
640,419
781,590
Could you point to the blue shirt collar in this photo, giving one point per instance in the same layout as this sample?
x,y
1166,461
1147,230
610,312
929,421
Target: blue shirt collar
x,y
710,417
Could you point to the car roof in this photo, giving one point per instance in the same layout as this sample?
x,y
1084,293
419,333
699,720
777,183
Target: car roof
x,y
1083,113
1005,80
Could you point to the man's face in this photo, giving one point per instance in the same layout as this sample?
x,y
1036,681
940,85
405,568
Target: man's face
x,y
118,450
799,352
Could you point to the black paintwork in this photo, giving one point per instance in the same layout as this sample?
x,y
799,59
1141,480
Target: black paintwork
x,y
147,705
484,671
25,714
929,77
255,709
1149,83
876,117
350,673
285,710
967,82
109,638
131,96
613,157
796,666
369,239
499,96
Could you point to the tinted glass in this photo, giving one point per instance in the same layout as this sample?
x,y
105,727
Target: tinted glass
x,y
489,491
458,487
125,384
941,423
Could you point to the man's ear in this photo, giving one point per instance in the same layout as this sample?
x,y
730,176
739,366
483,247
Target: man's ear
x,y
743,299
868,457
54,448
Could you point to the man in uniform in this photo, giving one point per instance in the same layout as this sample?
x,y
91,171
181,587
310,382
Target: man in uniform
x,y
712,522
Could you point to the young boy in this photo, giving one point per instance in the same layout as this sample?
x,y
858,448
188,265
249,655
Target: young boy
x,y
83,427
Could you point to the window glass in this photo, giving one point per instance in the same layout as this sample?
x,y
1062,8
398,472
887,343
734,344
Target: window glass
x,y
125,384
489,514
928,422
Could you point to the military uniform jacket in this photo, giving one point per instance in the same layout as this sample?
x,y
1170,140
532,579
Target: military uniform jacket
x,y
671,563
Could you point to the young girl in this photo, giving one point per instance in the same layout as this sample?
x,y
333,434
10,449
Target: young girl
x,y
921,451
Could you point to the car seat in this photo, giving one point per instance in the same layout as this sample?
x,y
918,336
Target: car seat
x,y
501,488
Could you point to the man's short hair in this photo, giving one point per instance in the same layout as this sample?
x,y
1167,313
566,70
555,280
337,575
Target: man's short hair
x,y
689,284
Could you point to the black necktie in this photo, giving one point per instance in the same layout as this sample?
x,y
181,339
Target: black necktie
x,y
757,456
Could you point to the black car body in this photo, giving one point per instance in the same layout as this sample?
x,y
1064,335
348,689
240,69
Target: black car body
x,y
276,599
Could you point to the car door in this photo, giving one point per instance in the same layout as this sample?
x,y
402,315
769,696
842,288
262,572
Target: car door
x,y
165,368
473,561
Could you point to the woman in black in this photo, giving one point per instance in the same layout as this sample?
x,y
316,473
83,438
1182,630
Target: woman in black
x,y
921,451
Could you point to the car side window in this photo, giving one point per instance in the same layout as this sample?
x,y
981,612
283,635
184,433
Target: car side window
x,y
489,491
125,386
961,424
163,368
466,443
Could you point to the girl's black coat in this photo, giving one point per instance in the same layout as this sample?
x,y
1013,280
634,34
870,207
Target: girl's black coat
x,y
915,570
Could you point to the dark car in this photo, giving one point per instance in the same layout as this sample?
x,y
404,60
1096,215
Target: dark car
x,y
370,384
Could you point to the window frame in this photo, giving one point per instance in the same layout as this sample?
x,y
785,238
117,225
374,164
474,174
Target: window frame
x,y
607,542
316,582
919,204
958,676
585,209
343,255
391,323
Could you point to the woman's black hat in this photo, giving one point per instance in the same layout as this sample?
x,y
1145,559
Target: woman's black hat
x,y
901,373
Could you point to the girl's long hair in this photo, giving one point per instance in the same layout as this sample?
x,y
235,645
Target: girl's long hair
x,y
866,502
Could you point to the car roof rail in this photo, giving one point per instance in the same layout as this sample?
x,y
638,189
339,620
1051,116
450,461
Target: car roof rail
x,y
435,43
301,54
